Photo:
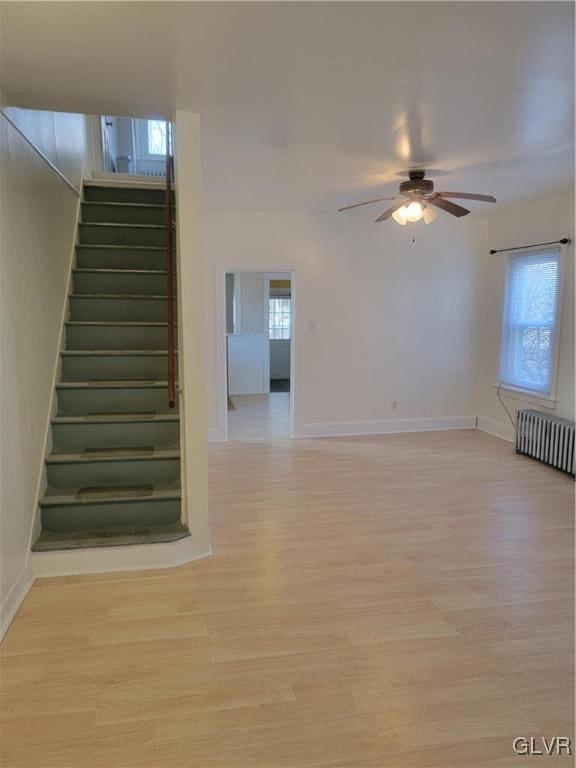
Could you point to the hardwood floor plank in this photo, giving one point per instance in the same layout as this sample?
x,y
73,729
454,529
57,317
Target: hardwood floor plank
x,y
399,601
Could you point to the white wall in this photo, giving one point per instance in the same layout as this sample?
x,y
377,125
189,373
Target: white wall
x,y
550,218
121,141
61,136
191,333
377,318
38,211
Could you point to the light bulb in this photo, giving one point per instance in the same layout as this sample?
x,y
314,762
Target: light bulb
x,y
399,216
429,214
414,212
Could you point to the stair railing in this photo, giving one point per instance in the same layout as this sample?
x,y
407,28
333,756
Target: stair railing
x,y
170,269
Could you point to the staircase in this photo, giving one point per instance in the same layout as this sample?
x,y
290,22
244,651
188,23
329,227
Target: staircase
x,y
113,473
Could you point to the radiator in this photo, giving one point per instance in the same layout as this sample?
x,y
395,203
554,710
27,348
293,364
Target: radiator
x,y
546,438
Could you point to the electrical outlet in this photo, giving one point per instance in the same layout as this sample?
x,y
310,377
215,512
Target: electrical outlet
x,y
395,405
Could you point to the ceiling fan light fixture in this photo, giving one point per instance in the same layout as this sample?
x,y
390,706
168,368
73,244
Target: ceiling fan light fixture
x,y
413,212
399,216
419,194
429,214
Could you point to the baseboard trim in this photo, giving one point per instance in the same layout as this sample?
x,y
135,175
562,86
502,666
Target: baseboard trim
x,y
495,428
15,597
217,435
140,557
386,426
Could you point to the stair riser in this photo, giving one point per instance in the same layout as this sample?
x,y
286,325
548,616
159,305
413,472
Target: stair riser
x,y
96,517
122,214
125,195
163,472
123,337
75,438
92,401
120,283
116,258
95,234
94,368
143,310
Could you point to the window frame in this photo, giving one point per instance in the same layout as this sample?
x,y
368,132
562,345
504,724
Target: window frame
x,y
545,397
271,328
141,131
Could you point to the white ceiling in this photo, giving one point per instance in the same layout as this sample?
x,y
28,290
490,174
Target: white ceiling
x,y
309,106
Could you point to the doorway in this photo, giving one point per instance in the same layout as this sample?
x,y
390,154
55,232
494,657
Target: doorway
x,y
259,325
133,147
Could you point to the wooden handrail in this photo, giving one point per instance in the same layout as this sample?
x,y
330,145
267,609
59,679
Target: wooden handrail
x,y
170,272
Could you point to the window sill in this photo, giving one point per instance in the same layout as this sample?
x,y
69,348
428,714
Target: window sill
x,y
527,396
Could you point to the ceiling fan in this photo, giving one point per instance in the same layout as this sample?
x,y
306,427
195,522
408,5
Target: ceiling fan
x,y
416,200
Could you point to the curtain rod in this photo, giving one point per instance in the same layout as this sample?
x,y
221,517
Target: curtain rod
x,y
563,241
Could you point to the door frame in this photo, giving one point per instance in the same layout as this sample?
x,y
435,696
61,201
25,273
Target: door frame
x,y
221,268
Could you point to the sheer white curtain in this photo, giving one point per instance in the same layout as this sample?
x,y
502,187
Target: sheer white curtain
x,y
530,321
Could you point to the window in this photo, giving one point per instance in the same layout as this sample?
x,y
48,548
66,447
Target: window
x,y
530,318
279,318
156,137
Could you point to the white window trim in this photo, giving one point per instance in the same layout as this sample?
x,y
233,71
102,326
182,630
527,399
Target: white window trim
x,y
275,327
547,399
526,395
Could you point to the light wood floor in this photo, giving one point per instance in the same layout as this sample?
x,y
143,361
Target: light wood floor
x,y
396,601
259,417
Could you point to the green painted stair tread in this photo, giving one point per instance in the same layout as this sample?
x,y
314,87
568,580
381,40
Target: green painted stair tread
x,y
122,233
153,534
114,492
115,453
113,384
108,323
117,418
122,204
120,296
130,494
101,455
115,352
117,271
121,224
109,212
99,256
116,335
114,246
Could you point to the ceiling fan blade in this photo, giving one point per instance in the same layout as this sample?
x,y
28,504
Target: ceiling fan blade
x,y
391,210
446,205
368,202
468,196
